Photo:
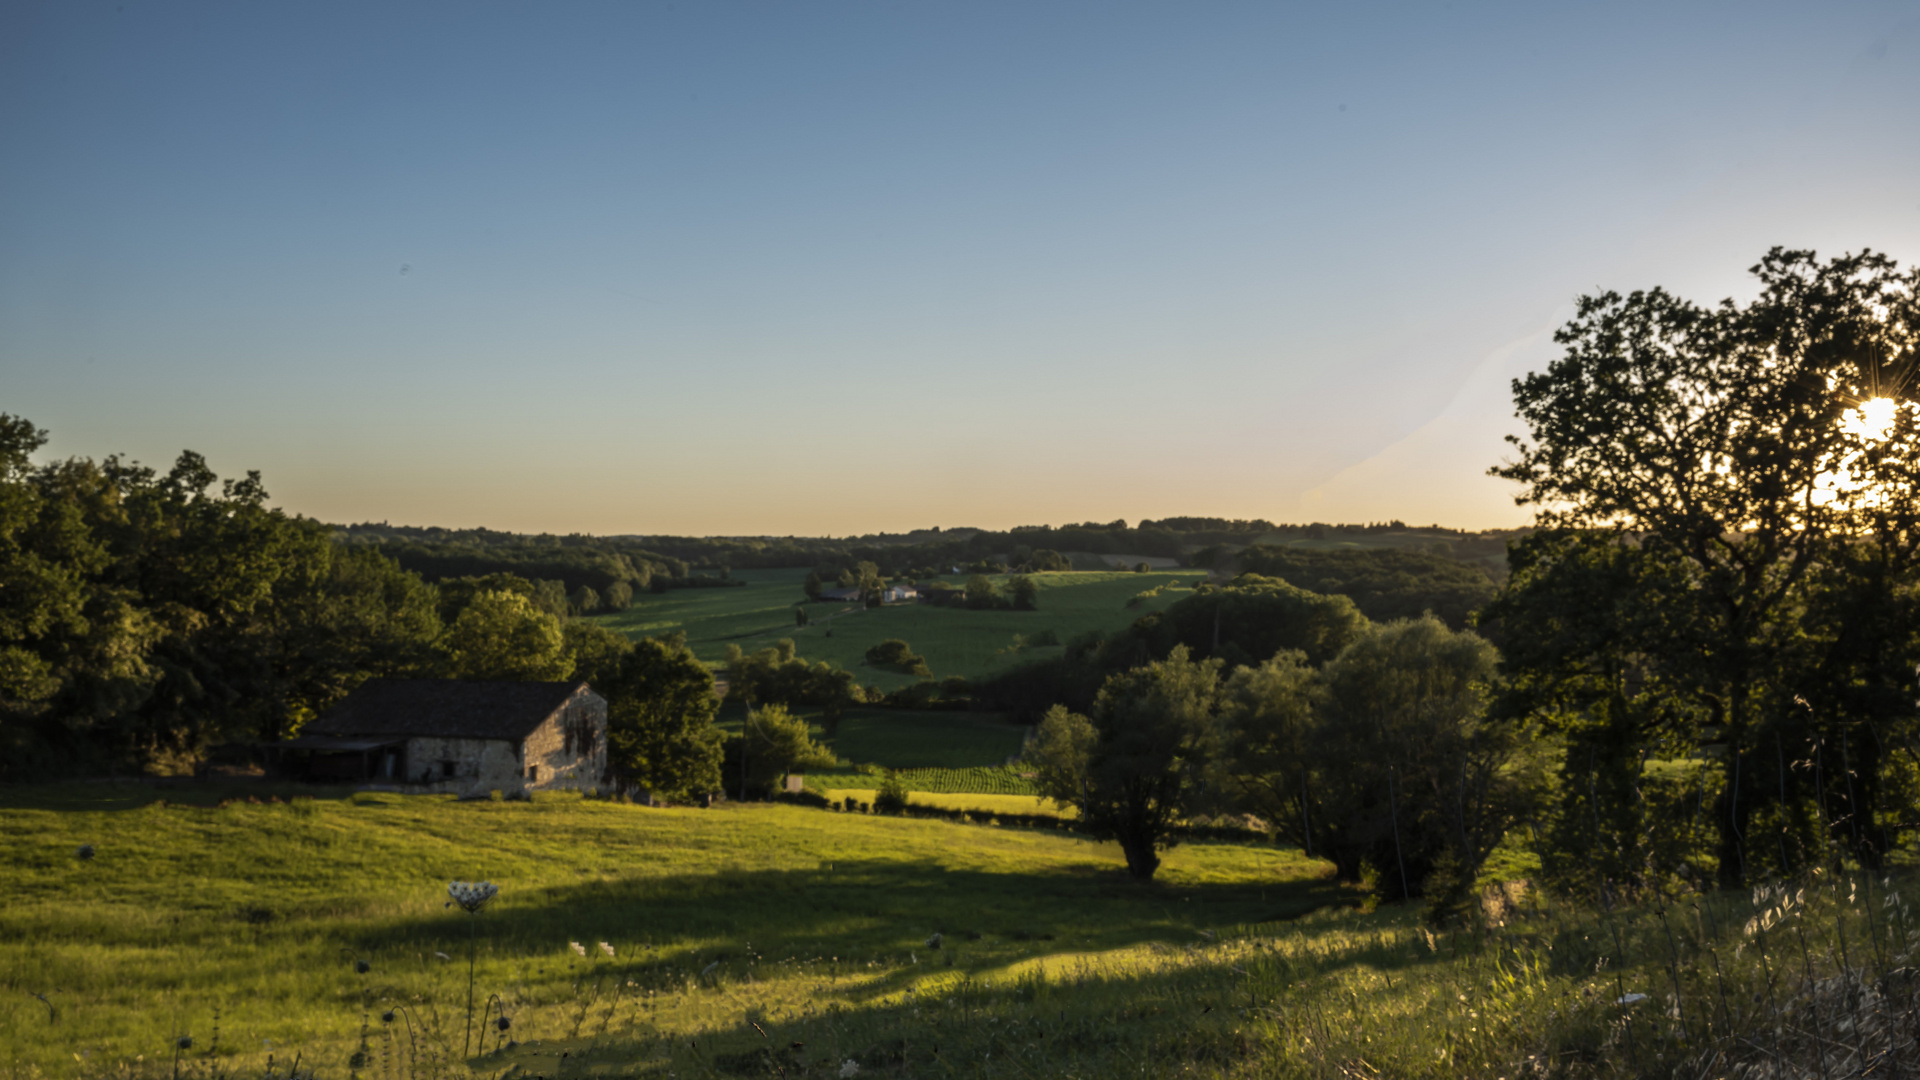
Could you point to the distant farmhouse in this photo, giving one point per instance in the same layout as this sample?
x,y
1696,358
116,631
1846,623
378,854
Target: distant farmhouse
x,y
900,594
847,594
463,737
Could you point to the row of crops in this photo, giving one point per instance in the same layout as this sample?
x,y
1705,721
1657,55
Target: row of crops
x,y
978,780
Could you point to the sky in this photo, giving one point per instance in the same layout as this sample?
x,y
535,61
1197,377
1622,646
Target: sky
x,y
838,268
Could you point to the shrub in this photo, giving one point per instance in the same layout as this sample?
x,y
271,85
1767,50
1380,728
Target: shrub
x,y
892,796
894,654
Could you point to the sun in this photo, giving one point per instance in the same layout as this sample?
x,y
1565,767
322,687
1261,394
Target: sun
x,y
1874,419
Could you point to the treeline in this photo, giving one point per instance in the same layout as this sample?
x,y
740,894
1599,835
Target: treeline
x,y
1385,583
576,561
933,549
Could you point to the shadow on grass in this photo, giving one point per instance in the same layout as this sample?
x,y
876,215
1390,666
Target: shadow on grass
x,y
133,793
1190,1005
875,914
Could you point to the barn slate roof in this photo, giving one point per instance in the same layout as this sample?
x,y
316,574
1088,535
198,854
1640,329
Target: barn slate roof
x,y
445,708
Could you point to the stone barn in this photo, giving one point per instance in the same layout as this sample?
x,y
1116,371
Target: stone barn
x,y
452,735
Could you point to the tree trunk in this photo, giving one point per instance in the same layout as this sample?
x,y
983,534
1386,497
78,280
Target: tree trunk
x,y
1733,809
1141,860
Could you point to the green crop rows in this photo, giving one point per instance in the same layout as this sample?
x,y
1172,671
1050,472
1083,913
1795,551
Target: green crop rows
x,y
980,780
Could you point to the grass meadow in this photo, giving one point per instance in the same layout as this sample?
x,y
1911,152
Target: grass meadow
x,y
955,641
773,940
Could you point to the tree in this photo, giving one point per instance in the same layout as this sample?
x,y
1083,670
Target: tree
x,y
813,585
619,596
773,743
1023,592
1256,617
550,596
362,617
778,675
660,710
1587,620
1411,778
594,653
501,635
583,601
1061,752
981,592
892,797
864,576
1145,769
894,654
1751,444
1270,719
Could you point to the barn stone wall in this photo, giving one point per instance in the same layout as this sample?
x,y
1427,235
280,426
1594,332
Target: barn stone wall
x,y
476,764
569,750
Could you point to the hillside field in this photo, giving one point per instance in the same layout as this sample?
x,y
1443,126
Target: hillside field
x,y
716,918
221,942
954,641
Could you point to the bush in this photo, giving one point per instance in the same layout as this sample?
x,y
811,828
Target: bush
x,y
805,798
894,654
892,796
917,696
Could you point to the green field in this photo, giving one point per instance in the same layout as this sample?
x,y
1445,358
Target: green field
x,y
961,800
984,780
907,738
716,918
954,641
770,940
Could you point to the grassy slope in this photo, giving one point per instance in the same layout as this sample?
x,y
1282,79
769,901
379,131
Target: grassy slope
x,y
256,909
954,641
771,940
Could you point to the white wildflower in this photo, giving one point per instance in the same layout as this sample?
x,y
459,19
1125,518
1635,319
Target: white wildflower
x,y
442,956
578,949
933,942
472,896
849,1067
1630,999
608,949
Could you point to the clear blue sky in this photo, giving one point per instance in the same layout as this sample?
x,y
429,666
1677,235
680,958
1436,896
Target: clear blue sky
x,y
831,268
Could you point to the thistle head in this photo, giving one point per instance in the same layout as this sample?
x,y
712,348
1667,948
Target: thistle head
x,y
184,1042
503,1023
84,853
387,1017
361,967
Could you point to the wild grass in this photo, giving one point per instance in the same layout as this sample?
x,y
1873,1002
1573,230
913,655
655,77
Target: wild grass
x,y
773,940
